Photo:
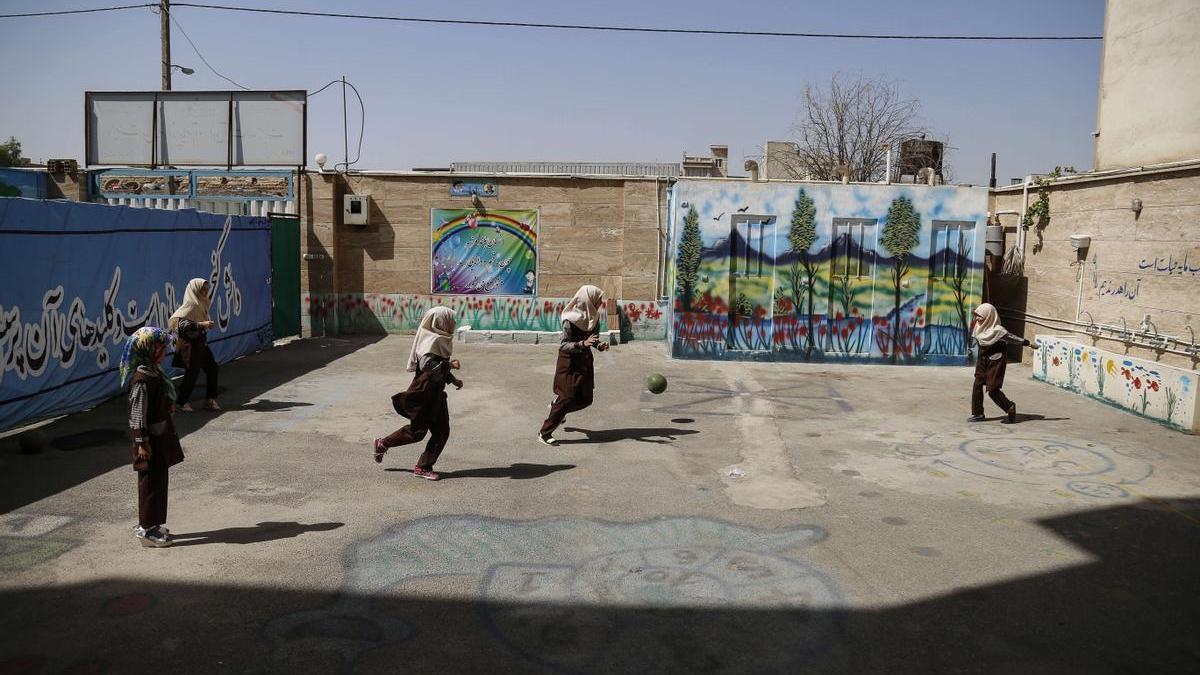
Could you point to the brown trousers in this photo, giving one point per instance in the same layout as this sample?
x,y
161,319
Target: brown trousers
x,y
563,405
989,373
152,497
439,432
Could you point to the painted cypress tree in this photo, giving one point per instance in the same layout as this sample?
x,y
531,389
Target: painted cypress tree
x,y
689,258
900,236
801,237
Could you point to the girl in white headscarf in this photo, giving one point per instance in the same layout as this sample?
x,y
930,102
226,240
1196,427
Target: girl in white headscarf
x,y
191,323
574,374
424,402
993,342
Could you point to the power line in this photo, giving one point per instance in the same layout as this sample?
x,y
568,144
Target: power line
x,y
78,11
197,50
590,27
634,29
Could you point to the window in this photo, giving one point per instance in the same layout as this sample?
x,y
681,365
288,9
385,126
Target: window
x,y
951,254
852,253
748,256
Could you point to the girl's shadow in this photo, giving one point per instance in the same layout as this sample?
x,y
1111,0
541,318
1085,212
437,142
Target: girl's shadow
x,y
519,471
262,532
643,435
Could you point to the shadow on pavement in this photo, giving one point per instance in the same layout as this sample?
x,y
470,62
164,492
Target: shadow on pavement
x,y
260,533
266,405
79,447
518,471
644,435
1131,608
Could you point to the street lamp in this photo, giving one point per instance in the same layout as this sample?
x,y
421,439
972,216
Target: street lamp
x,y
183,69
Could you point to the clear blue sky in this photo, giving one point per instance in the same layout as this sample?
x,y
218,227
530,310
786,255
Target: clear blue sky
x,y
436,94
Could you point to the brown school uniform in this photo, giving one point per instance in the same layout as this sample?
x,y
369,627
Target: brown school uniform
x,y
193,355
574,376
989,372
424,405
150,418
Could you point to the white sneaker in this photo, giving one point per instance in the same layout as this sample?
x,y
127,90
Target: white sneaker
x,y
547,439
141,531
154,538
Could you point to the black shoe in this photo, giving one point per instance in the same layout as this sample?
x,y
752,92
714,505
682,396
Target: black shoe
x,y
1012,414
976,418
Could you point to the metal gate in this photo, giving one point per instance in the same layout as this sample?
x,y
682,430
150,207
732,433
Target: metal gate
x,y
285,275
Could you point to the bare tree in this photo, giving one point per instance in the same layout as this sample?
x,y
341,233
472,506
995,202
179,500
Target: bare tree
x,y
851,125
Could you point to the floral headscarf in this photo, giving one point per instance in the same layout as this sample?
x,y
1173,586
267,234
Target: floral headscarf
x,y
139,351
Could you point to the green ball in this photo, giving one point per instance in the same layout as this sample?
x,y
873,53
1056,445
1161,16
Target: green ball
x,y
656,383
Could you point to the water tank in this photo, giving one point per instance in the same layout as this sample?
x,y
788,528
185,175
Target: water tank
x,y
917,154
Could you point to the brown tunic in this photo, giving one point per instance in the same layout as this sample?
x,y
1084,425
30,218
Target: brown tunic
x,y
191,349
426,394
165,450
574,373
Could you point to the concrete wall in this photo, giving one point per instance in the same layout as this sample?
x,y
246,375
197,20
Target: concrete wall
x,y
1136,265
1149,89
591,231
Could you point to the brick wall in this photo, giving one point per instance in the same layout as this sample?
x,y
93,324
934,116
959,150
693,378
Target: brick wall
x,y
602,231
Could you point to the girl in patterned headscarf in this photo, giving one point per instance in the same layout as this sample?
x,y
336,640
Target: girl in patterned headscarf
x,y
155,443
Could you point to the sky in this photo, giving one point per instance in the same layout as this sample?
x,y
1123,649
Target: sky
x,y
436,94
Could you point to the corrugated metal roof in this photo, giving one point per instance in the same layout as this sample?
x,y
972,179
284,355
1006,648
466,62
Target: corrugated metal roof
x,y
662,169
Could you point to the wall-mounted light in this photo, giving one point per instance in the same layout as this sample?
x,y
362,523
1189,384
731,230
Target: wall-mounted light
x,y
1136,207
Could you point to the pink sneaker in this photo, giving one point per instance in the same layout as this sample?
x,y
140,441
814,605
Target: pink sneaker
x,y
379,450
427,474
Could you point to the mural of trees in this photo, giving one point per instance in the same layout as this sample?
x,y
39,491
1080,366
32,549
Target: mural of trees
x,y
900,236
689,258
801,237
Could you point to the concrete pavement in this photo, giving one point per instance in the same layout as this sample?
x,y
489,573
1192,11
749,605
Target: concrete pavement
x,y
753,518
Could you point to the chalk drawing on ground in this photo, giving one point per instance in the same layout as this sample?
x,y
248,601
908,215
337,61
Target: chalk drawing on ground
x,y
577,595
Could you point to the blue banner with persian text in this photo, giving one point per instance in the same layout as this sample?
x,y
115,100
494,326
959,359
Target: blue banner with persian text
x,y
77,279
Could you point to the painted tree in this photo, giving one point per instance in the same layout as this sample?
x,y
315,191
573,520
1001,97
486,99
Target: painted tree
x,y
958,285
900,236
689,258
801,237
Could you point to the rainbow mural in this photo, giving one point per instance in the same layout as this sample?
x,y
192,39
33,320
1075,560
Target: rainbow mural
x,y
478,252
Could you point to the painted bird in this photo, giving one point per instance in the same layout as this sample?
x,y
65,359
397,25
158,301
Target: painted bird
x,y
744,209
720,216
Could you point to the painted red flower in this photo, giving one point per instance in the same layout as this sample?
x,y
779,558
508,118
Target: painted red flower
x,y
803,331
845,333
920,311
1152,384
838,316
1124,371
854,311
1137,383
1056,361
821,330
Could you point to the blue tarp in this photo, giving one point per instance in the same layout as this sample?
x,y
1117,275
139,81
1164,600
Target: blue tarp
x,y
77,279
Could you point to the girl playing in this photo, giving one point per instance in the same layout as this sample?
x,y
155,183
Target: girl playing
x,y
993,342
155,443
574,374
191,323
424,402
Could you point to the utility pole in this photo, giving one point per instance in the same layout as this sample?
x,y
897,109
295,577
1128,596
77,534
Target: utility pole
x,y
164,31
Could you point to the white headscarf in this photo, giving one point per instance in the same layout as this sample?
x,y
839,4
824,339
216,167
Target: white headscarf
x,y
195,304
583,310
435,336
988,331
